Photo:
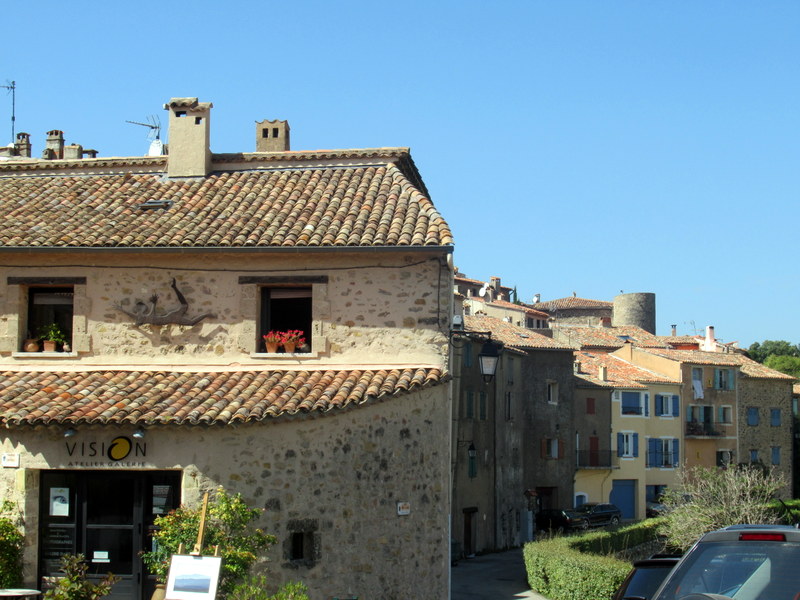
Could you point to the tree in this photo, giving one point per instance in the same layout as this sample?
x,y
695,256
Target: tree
x,y
785,364
710,498
11,542
760,352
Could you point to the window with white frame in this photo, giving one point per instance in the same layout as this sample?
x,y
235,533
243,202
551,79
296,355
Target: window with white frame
x,y
724,379
635,403
725,415
628,444
667,405
662,453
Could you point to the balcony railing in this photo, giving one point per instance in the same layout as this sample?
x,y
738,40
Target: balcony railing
x,y
701,429
660,460
597,459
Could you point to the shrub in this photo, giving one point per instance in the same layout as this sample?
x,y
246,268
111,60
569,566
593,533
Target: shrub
x,y
581,567
11,541
255,588
706,499
74,585
228,525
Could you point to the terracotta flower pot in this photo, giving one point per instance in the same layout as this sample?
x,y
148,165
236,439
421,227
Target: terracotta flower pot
x,y
49,345
289,347
272,347
31,345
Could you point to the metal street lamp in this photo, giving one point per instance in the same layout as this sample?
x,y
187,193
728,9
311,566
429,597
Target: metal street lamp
x,y
488,358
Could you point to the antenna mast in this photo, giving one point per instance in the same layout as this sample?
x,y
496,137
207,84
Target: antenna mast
x,y
13,87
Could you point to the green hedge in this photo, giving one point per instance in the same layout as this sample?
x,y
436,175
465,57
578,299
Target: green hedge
x,y
581,567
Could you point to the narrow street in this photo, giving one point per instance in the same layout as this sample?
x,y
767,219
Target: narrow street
x,y
498,576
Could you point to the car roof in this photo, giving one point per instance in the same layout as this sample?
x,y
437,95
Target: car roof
x,y
732,532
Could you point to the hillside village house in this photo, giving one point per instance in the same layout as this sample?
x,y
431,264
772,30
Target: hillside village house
x,y
164,273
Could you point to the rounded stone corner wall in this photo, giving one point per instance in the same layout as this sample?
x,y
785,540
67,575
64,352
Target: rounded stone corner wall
x,y
636,309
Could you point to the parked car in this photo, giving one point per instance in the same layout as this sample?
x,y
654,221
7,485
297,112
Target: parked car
x,y
645,577
654,509
745,562
598,514
556,519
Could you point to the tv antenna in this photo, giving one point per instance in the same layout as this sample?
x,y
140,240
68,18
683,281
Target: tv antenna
x,y
12,87
154,124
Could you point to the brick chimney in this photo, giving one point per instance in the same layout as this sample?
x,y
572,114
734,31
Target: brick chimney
x,y
272,136
189,152
54,146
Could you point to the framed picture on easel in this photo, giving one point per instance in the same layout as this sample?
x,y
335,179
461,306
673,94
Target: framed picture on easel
x,y
193,577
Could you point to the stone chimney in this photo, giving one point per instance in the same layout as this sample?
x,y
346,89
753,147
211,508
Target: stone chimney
x,y
272,136
602,373
674,331
54,146
23,145
73,152
605,321
189,152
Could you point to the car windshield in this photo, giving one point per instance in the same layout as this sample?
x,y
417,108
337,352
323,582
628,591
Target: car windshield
x,y
752,570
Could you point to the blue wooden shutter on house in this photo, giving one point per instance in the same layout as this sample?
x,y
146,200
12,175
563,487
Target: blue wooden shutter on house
x,y
652,452
675,450
620,443
676,406
647,405
636,444
657,405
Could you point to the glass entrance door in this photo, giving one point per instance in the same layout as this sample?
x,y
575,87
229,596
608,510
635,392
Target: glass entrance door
x,y
107,516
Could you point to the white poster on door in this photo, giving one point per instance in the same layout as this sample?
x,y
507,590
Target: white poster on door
x,y
59,502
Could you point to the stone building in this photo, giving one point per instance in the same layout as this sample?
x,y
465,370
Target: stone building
x,y
513,450
164,273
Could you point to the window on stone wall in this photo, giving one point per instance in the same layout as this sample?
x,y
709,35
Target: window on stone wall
x,y
552,392
775,417
776,455
284,309
482,401
469,404
752,416
509,406
551,448
590,406
302,546
753,455
49,306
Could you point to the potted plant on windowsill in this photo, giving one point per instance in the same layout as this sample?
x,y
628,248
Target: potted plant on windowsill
x,y
292,339
51,336
272,340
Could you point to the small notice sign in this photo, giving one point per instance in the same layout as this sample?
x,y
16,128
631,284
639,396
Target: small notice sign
x,y
11,460
404,508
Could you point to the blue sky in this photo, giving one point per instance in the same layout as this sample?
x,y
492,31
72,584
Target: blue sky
x,y
586,147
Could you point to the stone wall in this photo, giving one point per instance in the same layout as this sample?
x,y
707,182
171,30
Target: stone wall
x,y
337,478
371,305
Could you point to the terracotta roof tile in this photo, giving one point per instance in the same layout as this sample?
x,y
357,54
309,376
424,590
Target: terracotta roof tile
x,y
572,302
211,398
748,367
619,372
511,335
608,337
295,206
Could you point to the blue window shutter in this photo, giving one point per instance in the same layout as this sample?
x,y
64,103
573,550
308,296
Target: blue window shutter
x,y
676,448
636,444
647,405
716,379
658,455
619,444
676,406
731,382
720,415
657,404
652,449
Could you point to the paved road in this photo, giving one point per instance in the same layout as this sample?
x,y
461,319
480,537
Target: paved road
x,y
498,576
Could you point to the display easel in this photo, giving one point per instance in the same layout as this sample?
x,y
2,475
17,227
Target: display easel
x,y
194,576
